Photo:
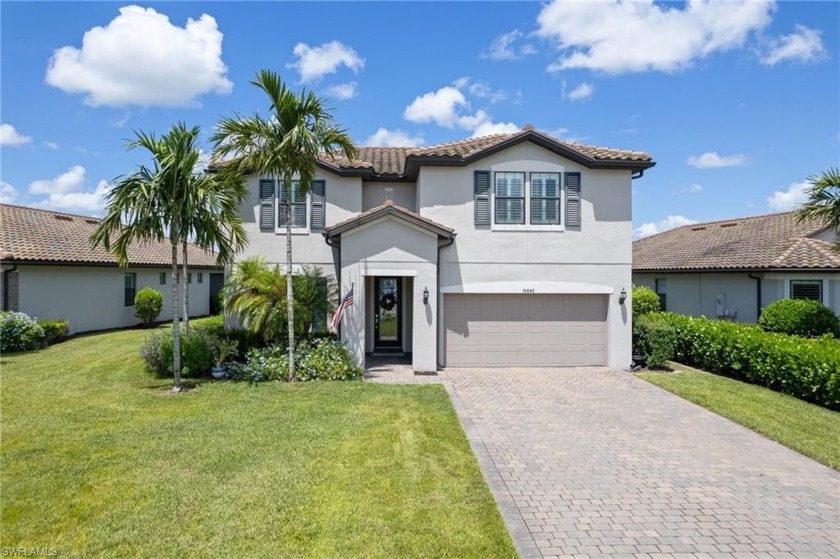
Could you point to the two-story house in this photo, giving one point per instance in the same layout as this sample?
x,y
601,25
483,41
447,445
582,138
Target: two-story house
x,y
503,250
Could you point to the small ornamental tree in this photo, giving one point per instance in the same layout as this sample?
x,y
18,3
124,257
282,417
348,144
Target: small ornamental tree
x,y
645,301
147,305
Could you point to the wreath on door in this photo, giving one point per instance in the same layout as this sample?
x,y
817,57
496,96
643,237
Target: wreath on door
x,y
388,302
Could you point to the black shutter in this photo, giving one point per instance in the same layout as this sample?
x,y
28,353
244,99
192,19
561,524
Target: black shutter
x,y
319,217
266,204
573,199
481,194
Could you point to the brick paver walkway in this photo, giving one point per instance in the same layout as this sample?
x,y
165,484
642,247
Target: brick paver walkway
x,y
591,462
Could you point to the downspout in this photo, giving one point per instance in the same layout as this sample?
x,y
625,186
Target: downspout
x,y
6,286
449,243
638,174
757,294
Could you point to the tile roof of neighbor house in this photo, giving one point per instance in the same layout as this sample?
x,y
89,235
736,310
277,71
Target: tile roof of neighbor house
x,y
774,241
385,209
45,236
401,162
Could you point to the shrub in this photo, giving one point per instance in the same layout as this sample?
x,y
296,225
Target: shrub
x,y
326,359
196,353
147,304
319,359
808,369
654,339
54,330
645,301
18,332
799,317
245,339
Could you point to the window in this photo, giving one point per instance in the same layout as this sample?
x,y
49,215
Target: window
x,y
510,198
162,278
806,289
130,289
545,198
298,203
200,277
661,288
189,277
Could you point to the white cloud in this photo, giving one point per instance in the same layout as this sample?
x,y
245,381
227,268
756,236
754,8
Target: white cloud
x,y
51,145
712,160
693,189
69,181
11,137
85,202
343,91
313,63
583,91
8,193
652,228
642,36
504,47
489,127
438,106
392,138
805,45
790,199
481,89
140,58
444,107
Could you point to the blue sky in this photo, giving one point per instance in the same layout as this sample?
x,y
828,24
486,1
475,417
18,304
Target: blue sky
x,y
738,103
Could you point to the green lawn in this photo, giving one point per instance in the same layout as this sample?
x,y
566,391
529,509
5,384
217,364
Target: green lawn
x,y
100,459
807,428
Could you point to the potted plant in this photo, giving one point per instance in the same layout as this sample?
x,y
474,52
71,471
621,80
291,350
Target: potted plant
x,y
224,348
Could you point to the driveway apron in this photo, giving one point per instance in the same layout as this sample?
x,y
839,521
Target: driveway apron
x,y
594,462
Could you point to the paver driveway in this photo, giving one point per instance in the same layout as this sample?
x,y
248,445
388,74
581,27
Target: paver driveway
x,y
594,462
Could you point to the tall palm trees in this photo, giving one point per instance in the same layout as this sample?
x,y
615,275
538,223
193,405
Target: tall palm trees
x,y
284,146
170,201
823,204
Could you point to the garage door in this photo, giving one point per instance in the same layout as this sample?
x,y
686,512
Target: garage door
x,y
525,330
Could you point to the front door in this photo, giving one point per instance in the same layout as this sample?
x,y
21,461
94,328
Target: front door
x,y
387,322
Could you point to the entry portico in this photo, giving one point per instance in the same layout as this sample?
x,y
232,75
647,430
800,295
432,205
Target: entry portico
x,y
389,258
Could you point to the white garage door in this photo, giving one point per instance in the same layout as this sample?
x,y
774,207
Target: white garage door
x,y
525,330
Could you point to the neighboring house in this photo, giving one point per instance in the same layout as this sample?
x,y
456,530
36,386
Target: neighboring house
x,y
732,269
49,271
510,249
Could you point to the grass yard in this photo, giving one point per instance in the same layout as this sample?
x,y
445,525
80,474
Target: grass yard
x,y
806,428
99,459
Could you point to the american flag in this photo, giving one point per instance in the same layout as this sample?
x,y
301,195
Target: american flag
x,y
346,302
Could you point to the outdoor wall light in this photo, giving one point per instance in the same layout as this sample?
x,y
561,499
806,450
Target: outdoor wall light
x,y
425,295
622,296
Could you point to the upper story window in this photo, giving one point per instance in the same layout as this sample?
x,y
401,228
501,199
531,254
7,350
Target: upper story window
x,y
540,201
308,209
545,198
299,205
509,195
806,289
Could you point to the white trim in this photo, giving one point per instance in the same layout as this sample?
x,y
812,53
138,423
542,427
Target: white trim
x,y
380,219
386,272
531,288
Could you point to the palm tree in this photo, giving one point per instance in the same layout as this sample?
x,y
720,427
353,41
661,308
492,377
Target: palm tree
x,y
256,292
823,203
314,294
153,204
286,147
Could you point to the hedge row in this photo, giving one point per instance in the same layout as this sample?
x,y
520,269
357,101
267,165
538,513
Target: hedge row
x,y
805,368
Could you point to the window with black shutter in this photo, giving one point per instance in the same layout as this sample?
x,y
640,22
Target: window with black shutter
x,y
806,289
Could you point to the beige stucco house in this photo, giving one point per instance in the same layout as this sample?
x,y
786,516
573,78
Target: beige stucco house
x,y
49,271
732,269
510,249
